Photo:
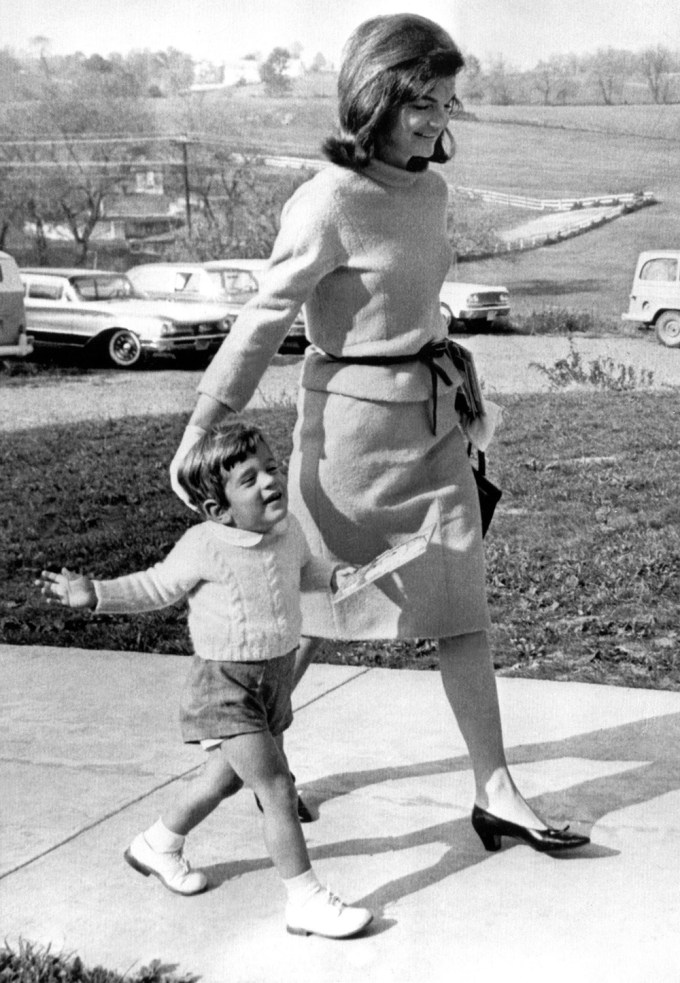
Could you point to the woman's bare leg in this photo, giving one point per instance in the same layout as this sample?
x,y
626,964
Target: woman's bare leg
x,y
470,686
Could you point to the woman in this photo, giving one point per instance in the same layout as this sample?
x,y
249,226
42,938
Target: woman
x,y
379,447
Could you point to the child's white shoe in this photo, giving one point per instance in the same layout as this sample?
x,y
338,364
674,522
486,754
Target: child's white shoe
x,y
172,869
325,914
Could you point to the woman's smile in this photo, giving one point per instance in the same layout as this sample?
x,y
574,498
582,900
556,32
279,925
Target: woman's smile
x,y
415,127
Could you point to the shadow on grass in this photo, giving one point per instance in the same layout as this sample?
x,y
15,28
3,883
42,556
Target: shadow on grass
x,y
554,288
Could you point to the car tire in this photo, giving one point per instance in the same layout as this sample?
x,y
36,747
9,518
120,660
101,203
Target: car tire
x,y
123,349
668,329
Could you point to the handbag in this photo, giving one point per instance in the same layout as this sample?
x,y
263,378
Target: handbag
x,y
489,494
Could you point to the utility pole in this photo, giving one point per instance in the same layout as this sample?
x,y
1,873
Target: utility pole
x,y
187,192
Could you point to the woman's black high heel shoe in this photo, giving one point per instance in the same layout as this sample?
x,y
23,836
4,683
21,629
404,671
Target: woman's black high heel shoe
x,y
490,829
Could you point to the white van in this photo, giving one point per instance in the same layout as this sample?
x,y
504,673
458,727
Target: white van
x,y
655,294
14,342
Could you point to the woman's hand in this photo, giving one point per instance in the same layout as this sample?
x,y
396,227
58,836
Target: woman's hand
x,y
70,589
208,412
191,436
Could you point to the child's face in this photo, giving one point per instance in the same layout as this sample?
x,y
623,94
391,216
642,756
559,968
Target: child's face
x,y
256,492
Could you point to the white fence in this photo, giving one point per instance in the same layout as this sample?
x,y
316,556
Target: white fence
x,y
635,198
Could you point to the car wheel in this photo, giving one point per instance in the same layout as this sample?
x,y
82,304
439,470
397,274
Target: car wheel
x,y
123,349
668,329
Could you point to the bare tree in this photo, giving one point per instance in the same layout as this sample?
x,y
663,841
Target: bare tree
x,y
240,214
59,169
471,84
497,83
657,64
608,69
553,79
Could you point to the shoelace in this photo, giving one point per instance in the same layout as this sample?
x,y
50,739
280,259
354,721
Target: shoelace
x,y
182,861
334,901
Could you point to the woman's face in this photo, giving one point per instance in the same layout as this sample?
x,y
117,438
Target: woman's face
x,y
413,129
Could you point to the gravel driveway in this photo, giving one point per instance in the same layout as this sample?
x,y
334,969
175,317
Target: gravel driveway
x,y
503,363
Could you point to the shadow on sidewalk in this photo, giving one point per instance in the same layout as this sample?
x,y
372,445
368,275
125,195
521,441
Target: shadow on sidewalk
x,y
654,741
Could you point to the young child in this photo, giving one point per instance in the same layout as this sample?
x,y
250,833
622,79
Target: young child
x,y
241,572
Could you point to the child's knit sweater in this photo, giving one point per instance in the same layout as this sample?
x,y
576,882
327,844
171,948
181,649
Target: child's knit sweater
x,y
243,588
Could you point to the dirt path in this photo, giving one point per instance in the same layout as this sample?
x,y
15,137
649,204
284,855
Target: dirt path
x,y
503,363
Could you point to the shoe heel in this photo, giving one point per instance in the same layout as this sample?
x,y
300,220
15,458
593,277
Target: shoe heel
x,y
135,864
490,840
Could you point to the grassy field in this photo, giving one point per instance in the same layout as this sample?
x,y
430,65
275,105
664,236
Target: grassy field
x,y
583,557
655,122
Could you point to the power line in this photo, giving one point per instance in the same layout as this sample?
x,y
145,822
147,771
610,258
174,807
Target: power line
x,y
71,141
105,164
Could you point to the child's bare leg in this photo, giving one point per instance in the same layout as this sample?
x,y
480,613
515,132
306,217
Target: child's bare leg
x,y
258,759
216,781
261,763
159,849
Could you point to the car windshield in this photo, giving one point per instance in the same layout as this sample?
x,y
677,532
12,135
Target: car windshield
x,y
239,282
103,287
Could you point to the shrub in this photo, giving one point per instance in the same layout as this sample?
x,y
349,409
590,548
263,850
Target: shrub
x,y
31,963
603,373
559,321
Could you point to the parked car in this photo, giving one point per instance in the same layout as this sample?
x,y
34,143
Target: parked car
x,y
101,312
230,281
470,304
14,342
655,294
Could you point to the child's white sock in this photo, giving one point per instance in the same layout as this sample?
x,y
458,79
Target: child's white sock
x,y
302,887
163,840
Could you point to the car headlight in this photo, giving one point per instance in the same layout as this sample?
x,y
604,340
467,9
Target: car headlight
x,y
167,328
473,299
504,299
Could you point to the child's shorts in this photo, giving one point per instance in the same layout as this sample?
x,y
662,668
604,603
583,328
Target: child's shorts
x,y
227,699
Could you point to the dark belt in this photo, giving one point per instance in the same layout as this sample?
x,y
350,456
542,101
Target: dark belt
x,y
428,355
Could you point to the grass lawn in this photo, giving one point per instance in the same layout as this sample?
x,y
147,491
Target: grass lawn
x,y
583,557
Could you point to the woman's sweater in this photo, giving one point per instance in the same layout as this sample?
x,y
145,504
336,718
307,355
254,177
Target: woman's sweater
x,y
366,254
243,588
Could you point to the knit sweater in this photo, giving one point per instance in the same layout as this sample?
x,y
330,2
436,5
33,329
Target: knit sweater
x,y
366,254
243,588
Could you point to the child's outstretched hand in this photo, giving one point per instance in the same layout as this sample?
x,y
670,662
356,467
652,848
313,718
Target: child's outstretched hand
x,y
70,589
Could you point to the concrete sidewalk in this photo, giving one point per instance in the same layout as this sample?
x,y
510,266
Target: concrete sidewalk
x,y
91,750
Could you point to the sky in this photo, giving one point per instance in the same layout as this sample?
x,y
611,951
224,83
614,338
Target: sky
x,y
522,31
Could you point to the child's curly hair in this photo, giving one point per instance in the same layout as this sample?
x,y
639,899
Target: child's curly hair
x,y
203,472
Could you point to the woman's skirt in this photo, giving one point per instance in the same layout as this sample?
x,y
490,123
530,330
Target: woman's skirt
x,y
365,476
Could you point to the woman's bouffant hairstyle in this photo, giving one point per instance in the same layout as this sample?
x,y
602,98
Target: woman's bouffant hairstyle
x,y
204,470
387,62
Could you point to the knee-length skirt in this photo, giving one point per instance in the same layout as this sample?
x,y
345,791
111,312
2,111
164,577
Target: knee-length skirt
x,y
365,476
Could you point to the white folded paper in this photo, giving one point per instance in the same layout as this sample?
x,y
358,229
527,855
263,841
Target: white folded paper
x,y
384,563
